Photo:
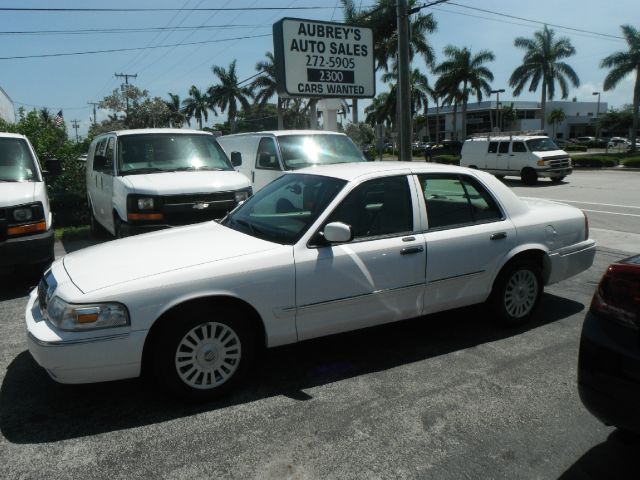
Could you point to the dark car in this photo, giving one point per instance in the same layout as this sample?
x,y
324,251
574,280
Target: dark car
x,y
609,359
447,147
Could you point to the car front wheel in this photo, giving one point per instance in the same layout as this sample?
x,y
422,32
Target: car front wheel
x,y
202,359
516,293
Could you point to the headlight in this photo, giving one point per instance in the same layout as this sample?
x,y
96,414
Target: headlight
x,y
145,203
241,196
22,214
70,317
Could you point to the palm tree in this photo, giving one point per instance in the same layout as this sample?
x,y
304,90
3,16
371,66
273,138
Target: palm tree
x,y
382,109
541,62
382,18
227,93
196,105
267,86
176,113
45,116
621,64
556,116
418,86
465,72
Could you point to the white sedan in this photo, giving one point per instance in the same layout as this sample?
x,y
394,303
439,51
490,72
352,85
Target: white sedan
x,y
318,251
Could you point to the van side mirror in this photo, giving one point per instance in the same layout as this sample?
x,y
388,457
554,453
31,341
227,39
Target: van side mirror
x,y
52,167
264,161
99,162
236,159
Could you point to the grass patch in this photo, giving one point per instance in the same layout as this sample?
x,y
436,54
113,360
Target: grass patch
x,y
73,233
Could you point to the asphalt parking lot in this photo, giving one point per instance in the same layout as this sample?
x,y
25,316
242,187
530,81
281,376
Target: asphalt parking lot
x,y
444,396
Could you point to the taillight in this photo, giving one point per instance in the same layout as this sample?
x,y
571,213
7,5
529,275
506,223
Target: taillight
x,y
618,295
586,226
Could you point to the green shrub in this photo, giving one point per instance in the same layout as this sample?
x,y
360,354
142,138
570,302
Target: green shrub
x,y
575,148
632,162
594,161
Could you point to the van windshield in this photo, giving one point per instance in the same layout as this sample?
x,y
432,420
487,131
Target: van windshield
x,y
541,145
16,162
162,152
300,151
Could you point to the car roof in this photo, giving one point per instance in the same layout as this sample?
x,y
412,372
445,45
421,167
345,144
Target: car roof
x,y
11,135
353,170
145,131
283,133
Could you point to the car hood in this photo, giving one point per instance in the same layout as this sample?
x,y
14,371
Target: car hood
x,y
173,183
16,193
155,253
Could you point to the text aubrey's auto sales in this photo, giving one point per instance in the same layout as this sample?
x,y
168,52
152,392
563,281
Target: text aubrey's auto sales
x,y
323,59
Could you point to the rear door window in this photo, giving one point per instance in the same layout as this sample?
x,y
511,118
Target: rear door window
x,y
504,147
493,147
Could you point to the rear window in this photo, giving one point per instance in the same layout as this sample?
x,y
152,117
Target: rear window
x,y
148,153
300,151
16,162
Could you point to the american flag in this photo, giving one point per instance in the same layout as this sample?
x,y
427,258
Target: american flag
x,y
58,119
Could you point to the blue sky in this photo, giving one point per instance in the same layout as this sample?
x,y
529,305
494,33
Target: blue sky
x,y
69,82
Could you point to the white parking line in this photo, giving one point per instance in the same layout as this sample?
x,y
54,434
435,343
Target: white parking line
x,y
611,213
590,203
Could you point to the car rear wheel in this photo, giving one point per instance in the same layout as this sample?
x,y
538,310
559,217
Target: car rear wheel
x,y
200,358
516,293
529,176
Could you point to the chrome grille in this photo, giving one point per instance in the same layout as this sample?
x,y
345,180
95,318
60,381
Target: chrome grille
x,y
562,162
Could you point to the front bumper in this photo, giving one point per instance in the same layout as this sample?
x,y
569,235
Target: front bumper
x,y
27,250
82,357
569,261
609,372
556,172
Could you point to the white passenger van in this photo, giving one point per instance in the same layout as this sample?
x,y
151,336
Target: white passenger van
x,y
527,155
26,233
264,156
143,180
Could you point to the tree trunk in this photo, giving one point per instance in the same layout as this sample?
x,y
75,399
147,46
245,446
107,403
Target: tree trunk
x,y
636,106
232,123
455,120
437,121
280,116
543,104
354,110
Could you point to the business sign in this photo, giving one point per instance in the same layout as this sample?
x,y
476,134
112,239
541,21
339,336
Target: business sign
x,y
323,59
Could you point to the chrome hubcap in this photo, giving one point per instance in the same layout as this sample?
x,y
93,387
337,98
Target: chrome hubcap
x,y
520,293
208,355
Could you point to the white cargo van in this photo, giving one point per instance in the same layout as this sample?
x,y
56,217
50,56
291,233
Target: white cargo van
x,y
26,236
265,156
517,153
143,180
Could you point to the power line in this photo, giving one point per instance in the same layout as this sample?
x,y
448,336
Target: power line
x,y
127,30
112,50
537,21
227,9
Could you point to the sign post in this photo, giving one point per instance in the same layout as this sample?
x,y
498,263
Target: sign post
x,y
323,59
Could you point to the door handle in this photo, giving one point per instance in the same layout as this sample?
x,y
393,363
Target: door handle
x,y
498,236
411,250
253,176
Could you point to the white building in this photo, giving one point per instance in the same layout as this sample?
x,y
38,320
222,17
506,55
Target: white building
x,y
7,111
580,118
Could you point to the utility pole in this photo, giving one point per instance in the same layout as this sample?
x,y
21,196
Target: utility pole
x,y
76,124
126,82
497,92
403,82
95,121
597,116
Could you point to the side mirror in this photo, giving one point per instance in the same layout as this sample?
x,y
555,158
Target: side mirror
x,y
236,159
99,162
337,232
52,167
264,161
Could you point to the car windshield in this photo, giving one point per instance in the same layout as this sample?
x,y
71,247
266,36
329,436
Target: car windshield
x,y
541,145
300,151
162,152
282,211
16,162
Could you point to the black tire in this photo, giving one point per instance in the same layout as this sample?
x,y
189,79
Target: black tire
x,y
216,350
516,293
473,167
557,179
529,176
117,226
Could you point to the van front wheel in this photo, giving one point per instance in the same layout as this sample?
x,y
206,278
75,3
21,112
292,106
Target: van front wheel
x,y
529,176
